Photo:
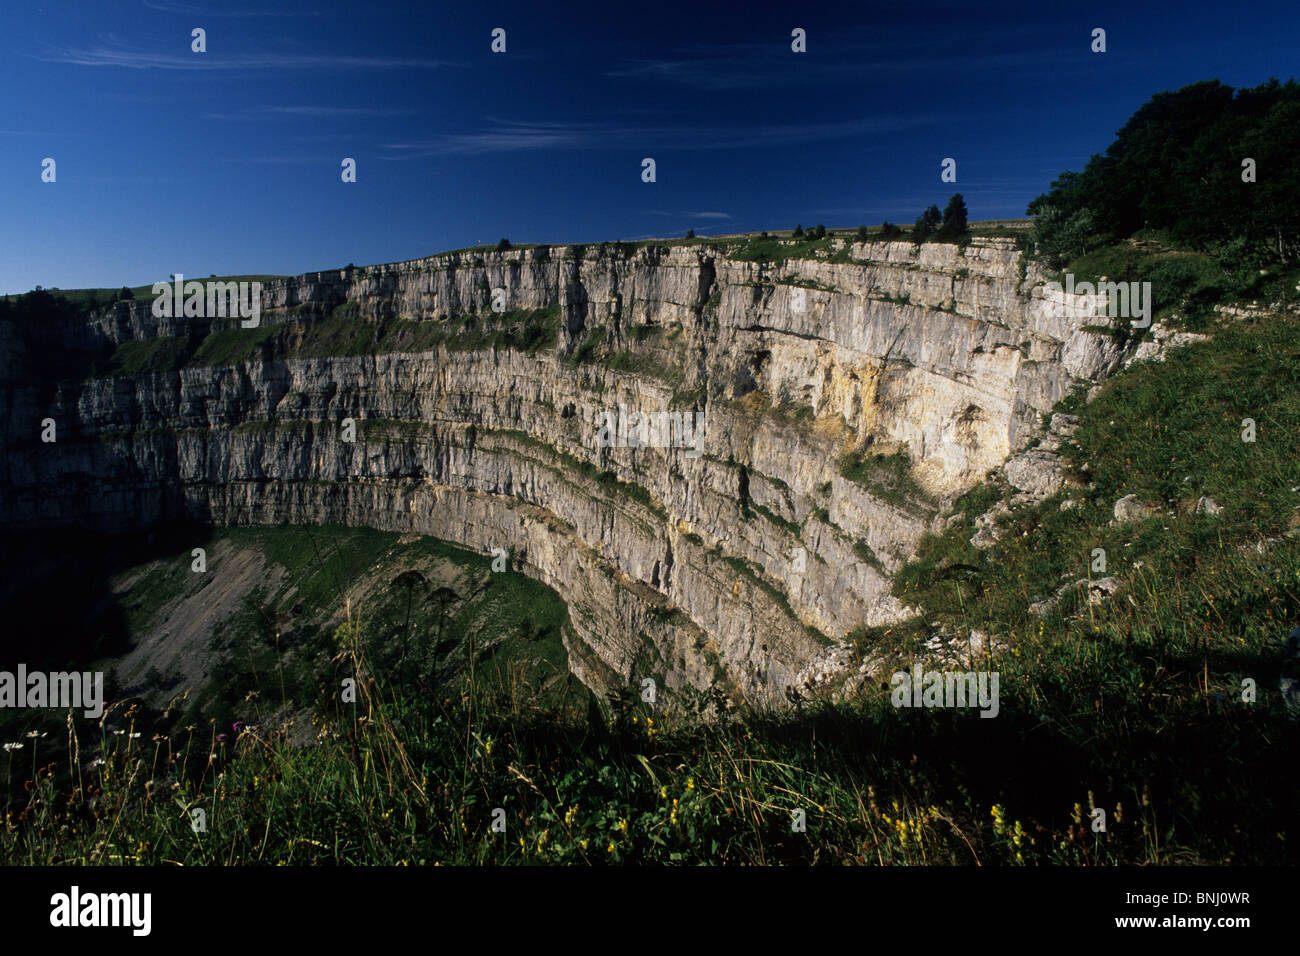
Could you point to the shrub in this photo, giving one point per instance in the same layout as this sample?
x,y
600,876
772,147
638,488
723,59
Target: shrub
x,y
926,224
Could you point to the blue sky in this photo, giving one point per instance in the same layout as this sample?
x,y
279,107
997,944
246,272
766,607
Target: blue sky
x,y
228,161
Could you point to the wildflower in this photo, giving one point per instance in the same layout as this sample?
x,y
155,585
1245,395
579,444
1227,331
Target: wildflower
x,y
690,783
222,738
622,825
999,820
14,746
663,793
610,848
570,815
238,726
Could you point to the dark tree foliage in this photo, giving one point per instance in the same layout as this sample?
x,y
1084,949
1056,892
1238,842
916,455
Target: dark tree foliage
x,y
862,233
889,231
954,219
503,245
926,224
690,233
126,294
798,232
46,322
1177,166
819,232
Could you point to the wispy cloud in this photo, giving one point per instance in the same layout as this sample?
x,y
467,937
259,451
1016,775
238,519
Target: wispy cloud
x,y
311,112
191,9
509,136
690,215
113,56
735,66
282,161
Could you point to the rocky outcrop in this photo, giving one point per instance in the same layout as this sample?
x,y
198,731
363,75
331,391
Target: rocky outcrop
x,y
475,384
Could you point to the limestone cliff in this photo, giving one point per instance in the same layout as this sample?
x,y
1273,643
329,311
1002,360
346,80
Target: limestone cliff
x,y
741,561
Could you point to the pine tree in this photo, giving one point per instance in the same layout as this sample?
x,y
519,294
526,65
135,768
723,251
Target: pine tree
x,y
954,219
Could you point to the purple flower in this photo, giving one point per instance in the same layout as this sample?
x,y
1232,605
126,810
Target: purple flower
x,y
238,726
222,738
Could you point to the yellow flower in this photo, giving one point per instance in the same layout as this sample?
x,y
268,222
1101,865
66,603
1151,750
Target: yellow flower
x,y
610,848
622,825
690,783
570,815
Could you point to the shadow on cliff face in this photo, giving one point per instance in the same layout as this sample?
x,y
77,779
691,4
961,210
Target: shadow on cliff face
x,y
56,595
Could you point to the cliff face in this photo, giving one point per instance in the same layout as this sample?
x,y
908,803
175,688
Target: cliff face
x,y
739,561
